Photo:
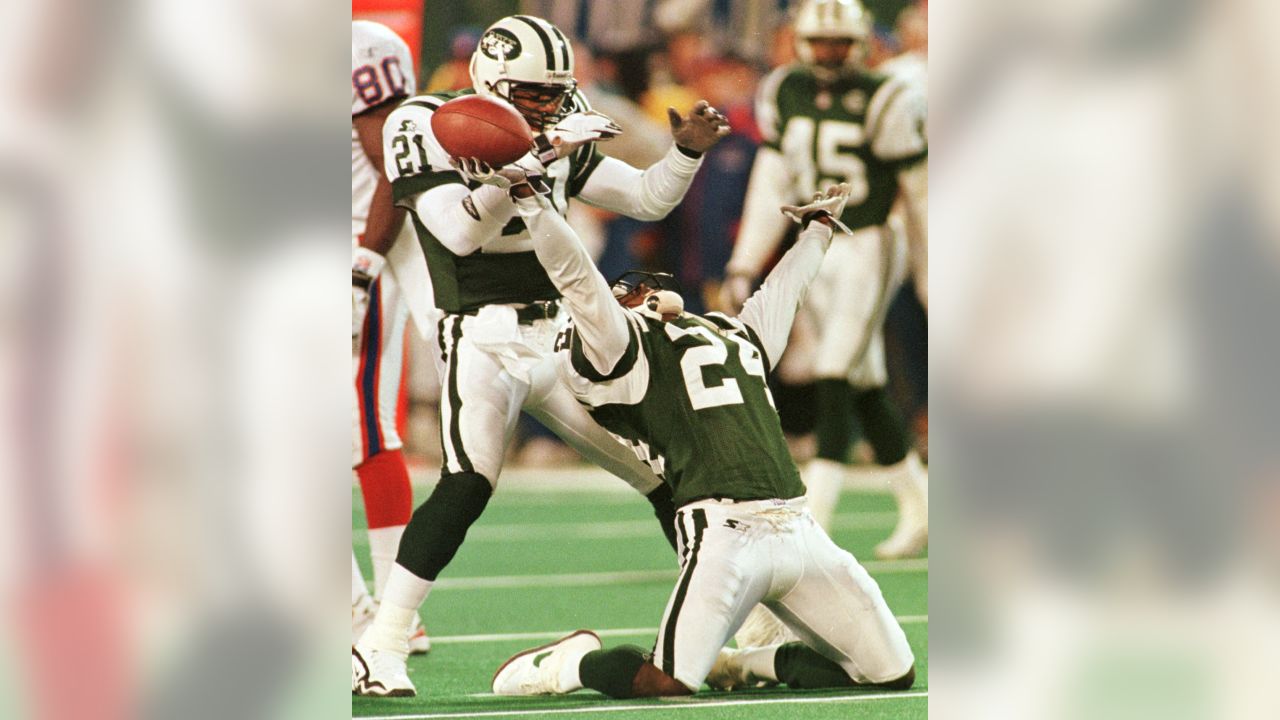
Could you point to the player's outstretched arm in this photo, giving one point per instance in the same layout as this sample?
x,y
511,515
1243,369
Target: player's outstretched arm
x,y
654,192
598,319
771,311
762,226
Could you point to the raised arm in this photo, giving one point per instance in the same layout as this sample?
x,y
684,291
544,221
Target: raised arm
x,y
772,182
599,321
652,193
771,311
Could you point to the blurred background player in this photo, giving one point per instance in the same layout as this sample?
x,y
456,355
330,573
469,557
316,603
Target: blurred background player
x,y
825,120
381,77
690,394
500,307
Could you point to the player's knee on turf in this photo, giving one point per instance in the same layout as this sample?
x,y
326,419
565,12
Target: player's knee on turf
x,y
626,672
903,682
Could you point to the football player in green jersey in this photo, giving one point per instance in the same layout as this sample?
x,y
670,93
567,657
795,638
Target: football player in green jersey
x,y
828,120
497,310
689,395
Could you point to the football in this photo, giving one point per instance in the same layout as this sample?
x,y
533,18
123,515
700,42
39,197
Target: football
x,y
485,128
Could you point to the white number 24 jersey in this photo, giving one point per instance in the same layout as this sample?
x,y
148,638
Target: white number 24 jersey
x,y
381,70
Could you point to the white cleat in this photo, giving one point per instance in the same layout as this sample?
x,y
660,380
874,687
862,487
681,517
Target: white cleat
x,y
377,673
762,628
537,671
362,612
419,642
908,540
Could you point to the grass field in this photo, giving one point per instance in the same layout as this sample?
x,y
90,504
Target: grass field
x,y
545,561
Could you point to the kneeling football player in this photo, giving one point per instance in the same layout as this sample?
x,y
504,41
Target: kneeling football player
x,y
689,395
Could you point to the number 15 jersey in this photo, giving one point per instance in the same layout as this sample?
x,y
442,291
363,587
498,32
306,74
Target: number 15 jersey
x,y
860,129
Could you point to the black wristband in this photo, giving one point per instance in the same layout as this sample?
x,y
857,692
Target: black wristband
x,y
543,148
694,154
360,280
812,216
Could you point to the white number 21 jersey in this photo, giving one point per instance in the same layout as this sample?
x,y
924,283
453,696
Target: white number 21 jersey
x,y
381,71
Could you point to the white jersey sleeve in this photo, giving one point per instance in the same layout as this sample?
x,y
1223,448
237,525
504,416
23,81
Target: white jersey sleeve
x,y
381,66
463,220
768,118
897,118
770,312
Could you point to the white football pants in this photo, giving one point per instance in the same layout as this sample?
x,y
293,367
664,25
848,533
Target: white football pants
x,y
734,555
490,369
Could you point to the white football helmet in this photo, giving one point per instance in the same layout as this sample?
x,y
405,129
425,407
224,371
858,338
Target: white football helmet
x,y
832,19
527,62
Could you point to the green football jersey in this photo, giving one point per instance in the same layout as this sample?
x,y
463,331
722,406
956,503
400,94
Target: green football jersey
x,y
860,129
504,270
705,423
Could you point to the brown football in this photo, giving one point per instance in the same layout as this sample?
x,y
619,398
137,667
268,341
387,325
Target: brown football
x,y
475,126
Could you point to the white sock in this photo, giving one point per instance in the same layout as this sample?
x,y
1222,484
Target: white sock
x,y
570,680
909,481
404,594
758,662
358,589
384,543
824,480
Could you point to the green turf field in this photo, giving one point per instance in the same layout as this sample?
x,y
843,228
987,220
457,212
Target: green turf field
x,y
541,563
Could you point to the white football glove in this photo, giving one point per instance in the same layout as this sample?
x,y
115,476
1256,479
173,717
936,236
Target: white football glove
x,y
573,132
825,208
525,170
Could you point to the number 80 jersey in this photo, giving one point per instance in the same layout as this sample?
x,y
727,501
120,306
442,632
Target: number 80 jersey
x,y
861,129
690,397
381,71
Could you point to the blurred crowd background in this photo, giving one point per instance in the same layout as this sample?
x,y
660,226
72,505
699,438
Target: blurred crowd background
x,y
633,60
174,459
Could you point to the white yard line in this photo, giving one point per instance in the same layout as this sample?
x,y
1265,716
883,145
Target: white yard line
x,y
680,704
611,632
882,567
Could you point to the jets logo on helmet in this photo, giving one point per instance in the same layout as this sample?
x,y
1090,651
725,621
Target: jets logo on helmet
x,y
527,62
500,45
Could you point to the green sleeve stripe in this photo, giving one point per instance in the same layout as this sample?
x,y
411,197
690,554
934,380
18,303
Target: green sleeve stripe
x,y
755,340
403,188
590,159
583,366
